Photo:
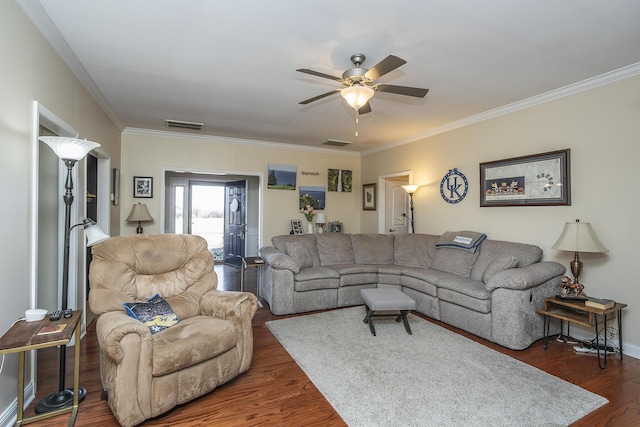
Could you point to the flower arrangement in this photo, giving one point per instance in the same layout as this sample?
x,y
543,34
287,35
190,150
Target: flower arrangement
x,y
308,212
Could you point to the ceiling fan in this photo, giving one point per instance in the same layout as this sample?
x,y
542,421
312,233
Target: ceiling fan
x,y
360,83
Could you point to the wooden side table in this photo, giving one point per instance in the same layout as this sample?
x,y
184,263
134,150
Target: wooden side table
x,y
578,312
247,262
23,336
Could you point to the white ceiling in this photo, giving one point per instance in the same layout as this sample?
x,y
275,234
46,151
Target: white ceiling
x,y
231,65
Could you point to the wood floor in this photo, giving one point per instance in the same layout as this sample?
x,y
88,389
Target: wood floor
x,y
276,392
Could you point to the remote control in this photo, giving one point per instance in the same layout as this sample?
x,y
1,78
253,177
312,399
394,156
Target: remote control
x,y
56,315
68,313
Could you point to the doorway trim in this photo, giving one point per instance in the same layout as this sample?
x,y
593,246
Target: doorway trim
x,y
213,173
382,198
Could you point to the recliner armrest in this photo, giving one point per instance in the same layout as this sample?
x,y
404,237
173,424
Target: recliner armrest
x,y
229,305
112,327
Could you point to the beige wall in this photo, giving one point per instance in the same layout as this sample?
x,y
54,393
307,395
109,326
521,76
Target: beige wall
x,y
600,126
32,70
148,154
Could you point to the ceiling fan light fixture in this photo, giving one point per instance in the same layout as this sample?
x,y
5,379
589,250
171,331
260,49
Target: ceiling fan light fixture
x,y
357,95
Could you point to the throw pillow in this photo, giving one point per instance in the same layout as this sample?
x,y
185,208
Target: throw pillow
x,y
156,313
300,254
499,264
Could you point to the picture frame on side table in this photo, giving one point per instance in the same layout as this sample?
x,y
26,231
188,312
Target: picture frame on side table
x,y
537,180
296,226
369,197
143,187
334,227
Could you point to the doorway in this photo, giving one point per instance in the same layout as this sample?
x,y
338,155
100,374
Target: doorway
x,y
222,208
394,202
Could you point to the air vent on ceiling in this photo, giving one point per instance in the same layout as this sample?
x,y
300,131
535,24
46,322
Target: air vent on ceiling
x,y
183,125
336,143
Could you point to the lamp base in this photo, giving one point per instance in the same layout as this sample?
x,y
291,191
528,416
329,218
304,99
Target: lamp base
x,y
59,400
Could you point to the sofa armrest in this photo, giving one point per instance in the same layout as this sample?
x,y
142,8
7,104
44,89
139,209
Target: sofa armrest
x,y
526,277
239,308
113,327
279,260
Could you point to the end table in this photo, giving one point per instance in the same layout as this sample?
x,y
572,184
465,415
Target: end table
x,y
578,312
23,336
247,262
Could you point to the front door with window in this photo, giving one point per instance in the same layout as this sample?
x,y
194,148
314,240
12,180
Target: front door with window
x,y
236,221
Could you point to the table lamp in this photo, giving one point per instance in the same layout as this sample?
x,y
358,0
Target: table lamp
x,y
139,213
578,237
320,222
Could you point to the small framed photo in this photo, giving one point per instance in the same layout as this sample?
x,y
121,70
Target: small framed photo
x,y
296,226
369,197
143,187
334,227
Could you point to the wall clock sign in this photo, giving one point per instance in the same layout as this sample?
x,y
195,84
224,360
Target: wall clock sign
x,y
454,186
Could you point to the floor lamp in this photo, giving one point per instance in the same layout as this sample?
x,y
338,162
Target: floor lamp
x,y
69,150
410,189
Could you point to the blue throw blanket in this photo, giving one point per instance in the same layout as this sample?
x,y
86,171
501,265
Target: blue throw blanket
x,y
468,241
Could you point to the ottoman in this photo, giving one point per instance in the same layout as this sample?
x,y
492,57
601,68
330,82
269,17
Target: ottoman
x,y
387,299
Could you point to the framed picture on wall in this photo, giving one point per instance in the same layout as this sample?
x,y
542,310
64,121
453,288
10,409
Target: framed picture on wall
x,y
369,197
143,187
537,180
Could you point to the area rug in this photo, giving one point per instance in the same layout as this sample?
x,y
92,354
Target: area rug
x,y
434,377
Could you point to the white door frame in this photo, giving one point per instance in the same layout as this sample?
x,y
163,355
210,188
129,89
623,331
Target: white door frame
x,y
382,199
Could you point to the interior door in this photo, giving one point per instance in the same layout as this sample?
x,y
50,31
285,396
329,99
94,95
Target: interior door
x,y
236,221
395,206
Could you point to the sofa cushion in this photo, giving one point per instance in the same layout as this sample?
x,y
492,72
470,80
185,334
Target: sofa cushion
x,y
300,254
308,240
315,278
411,250
372,248
500,263
454,261
490,249
335,248
191,341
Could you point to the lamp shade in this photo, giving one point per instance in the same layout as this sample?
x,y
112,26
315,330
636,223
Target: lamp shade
x,y
94,233
410,188
69,148
139,213
357,95
320,219
579,237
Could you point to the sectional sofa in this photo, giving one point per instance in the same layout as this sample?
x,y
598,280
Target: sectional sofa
x,y
491,289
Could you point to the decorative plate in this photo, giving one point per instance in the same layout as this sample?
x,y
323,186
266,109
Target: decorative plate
x,y
450,186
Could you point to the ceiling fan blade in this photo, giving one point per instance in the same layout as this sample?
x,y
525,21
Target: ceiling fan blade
x,y
366,108
319,74
385,66
315,98
403,90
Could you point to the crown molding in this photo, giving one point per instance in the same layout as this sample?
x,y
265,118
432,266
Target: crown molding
x,y
38,16
572,89
227,140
